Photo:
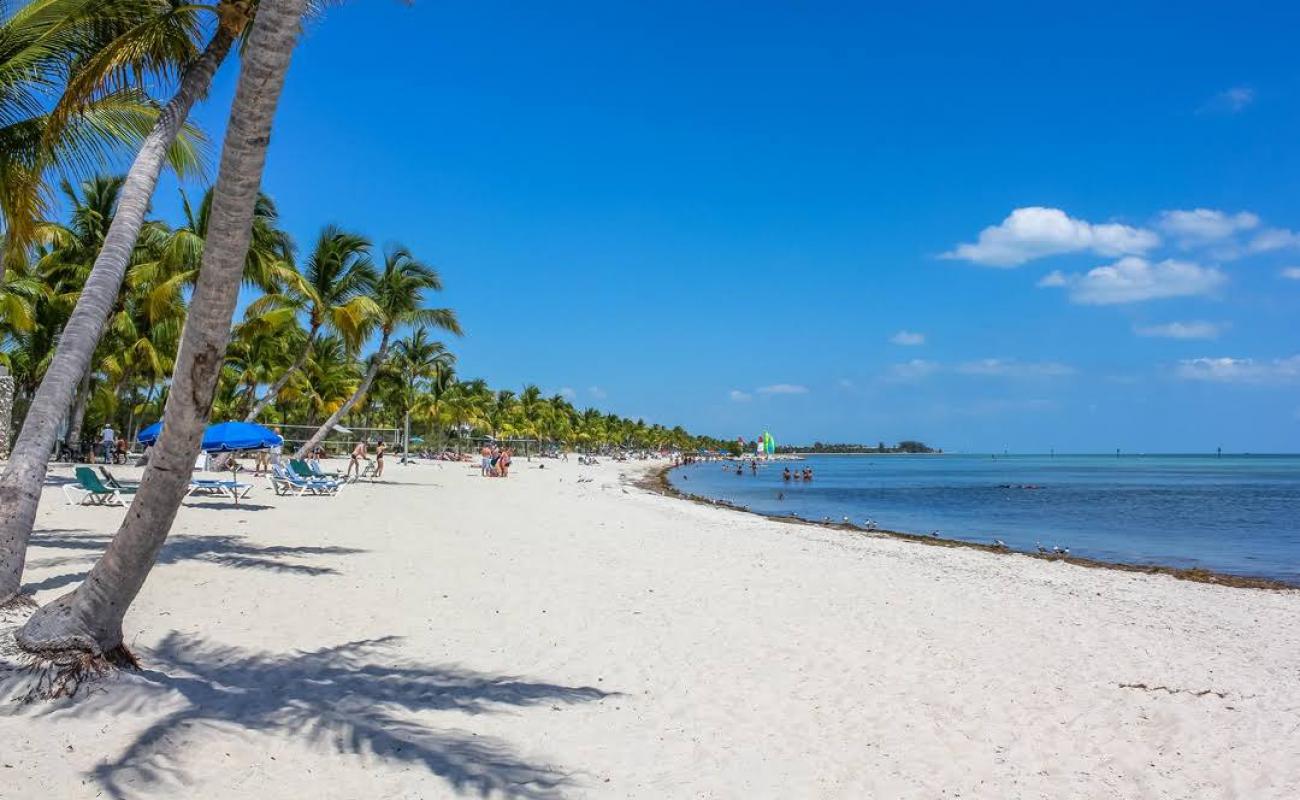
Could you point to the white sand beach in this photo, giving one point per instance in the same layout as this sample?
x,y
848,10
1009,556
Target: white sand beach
x,y
442,635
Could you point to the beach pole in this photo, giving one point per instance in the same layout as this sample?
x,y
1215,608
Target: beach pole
x,y
406,439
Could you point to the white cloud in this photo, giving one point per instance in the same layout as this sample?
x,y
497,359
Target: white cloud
x,y
908,338
1274,239
1133,279
914,370
783,388
1203,225
1182,330
738,396
1240,370
1291,272
1010,368
567,392
597,392
1230,101
1036,232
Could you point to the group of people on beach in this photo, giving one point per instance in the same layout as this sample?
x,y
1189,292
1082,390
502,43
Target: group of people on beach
x,y
496,461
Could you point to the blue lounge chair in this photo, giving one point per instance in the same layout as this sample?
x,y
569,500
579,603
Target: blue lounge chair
x,y
286,483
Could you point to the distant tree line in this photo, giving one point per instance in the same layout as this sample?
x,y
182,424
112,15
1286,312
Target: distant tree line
x,y
905,446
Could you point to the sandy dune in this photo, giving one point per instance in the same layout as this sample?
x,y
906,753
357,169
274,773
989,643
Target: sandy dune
x,y
442,635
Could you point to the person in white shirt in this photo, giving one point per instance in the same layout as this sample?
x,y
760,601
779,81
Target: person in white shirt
x,y
107,441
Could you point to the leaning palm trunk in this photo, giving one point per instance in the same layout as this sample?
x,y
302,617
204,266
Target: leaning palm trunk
x,y
324,429
20,485
281,381
72,440
86,624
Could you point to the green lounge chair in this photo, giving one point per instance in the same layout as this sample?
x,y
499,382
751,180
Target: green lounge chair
x,y
94,492
114,483
299,467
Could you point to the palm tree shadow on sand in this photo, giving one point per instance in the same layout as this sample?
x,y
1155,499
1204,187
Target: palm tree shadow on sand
x,y
226,550
353,699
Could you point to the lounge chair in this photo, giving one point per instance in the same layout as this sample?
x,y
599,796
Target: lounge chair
x,y
114,483
94,492
238,491
286,483
314,466
302,470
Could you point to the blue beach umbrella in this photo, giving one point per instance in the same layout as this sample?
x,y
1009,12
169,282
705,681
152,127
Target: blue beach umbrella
x,y
224,436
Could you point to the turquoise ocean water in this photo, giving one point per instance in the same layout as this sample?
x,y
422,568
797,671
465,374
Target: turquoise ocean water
x,y
1238,514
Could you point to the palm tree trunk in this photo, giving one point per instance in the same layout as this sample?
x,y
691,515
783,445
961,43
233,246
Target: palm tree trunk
x,y
324,429
89,619
280,382
72,440
20,485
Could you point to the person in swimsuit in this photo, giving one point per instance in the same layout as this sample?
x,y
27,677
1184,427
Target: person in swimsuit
x,y
379,458
785,476
358,455
486,465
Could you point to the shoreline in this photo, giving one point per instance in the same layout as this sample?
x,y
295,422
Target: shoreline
x,y
656,480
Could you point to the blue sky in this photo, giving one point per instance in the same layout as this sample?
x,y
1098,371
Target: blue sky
x,y
1019,227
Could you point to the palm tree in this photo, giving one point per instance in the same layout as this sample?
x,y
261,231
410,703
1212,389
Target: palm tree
x,y
398,294
331,291
418,363
66,266
87,622
21,482
93,55
267,266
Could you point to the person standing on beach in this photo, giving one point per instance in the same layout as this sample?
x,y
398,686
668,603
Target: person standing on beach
x,y
107,439
486,466
278,448
379,458
358,455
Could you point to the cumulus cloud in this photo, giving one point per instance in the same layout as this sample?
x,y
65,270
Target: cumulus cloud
x,y
738,396
1204,225
1274,239
1182,330
1010,368
1240,370
1036,232
914,370
783,388
1230,101
908,338
1291,272
1133,279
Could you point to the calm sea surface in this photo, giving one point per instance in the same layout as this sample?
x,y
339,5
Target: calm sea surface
x,y
1236,514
